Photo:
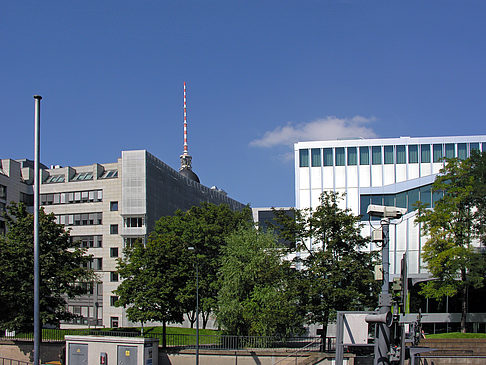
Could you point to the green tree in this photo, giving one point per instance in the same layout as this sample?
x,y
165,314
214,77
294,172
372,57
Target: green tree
x,y
153,275
337,267
257,293
203,227
450,227
62,270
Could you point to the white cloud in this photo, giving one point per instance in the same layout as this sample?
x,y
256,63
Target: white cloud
x,y
321,129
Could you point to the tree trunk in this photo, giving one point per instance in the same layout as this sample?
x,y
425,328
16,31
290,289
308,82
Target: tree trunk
x,y
464,310
191,316
205,319
324,332
164,334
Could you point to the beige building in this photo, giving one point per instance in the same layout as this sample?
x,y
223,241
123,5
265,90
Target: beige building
x,y
105,207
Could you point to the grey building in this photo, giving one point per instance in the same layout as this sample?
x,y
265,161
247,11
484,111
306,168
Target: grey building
x,y
107,206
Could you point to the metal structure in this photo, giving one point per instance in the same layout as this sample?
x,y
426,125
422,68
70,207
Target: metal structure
x,y
37,324
391,337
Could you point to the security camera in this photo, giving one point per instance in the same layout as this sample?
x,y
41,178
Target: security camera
x,y
383,211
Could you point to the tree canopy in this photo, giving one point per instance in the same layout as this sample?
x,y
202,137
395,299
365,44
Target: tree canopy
x,y
63,268
451,228
337,267
257,295
159,281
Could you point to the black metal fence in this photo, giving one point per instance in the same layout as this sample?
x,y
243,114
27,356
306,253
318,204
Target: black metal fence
x,y
4,361
216,342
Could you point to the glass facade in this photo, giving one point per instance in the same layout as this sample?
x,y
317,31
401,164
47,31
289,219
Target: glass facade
x,y
406,199
387,154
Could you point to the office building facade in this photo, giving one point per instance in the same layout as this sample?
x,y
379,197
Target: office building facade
x,y
108,206
392,171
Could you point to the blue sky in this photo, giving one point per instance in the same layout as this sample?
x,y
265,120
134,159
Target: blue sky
x,y
261,75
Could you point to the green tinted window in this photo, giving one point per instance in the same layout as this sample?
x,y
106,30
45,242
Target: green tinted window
x,y
352,156
304,158
364,156
327,156
316,157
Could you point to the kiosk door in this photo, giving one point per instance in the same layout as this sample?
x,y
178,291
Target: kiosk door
x,y
127,355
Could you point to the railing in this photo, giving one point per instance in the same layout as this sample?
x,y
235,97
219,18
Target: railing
x,y
295,353
4,361
215,342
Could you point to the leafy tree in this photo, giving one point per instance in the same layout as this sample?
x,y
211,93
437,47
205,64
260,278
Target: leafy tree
x,y
337,271
203,227
153,274
62,270
257,294
455,264
159,277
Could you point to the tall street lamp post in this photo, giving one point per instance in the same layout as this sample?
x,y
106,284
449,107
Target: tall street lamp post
x,y
197,307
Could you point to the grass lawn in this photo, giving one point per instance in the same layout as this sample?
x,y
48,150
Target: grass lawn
x,y
457,335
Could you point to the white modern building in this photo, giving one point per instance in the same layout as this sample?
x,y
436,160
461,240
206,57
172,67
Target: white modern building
x,y
107,206
392,171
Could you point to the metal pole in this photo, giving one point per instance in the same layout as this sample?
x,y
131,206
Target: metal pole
x,y
197,312
37,324
382,344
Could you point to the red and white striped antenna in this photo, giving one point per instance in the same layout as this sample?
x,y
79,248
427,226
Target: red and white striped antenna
x,y
186,159
185,121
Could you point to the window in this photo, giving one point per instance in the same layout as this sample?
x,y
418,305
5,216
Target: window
x,y
449,150
364,156
438,156
401,156
340,158
327,156
113,228
134,222
316,157
97,263
113,251
413,197
483,147
388,155
389,200
113,300
413,153
352,156
364,201
426,195
425,153
473,147
113,206
462,151
114,322
3,192
113,276
376,155
304,158
110,174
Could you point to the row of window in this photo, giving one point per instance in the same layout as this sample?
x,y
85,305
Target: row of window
x,y
406,199
72,197
96,263
82,176
377,155
82,219
87,241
